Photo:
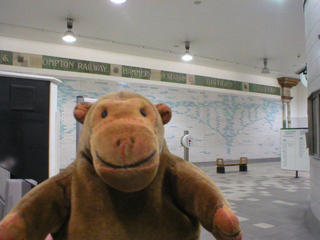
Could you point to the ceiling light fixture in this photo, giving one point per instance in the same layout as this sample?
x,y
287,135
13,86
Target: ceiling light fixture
x,y
265,69
69,35
187,56
302,71
118,1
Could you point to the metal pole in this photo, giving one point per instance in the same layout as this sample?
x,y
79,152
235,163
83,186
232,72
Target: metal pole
x,y
186,150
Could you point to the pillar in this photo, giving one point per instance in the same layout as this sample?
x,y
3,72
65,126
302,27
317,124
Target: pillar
x,y
286,85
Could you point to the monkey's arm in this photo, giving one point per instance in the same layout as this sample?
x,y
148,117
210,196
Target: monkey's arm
x,y
197,194
41,211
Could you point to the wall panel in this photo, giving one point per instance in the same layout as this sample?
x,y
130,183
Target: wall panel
x,y
226,125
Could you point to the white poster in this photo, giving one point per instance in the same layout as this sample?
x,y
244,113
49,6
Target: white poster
x,y
294,151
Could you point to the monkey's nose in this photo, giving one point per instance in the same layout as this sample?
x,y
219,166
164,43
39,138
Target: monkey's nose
x,y
125,145
125,141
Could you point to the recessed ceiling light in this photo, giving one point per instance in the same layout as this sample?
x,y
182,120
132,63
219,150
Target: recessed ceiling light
x,y
118,1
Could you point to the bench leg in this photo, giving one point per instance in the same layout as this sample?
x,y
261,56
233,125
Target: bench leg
x,y
243,168
221,170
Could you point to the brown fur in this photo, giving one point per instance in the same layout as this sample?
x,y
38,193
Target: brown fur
x,y
124,184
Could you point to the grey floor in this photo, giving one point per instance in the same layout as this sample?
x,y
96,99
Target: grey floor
x,y
269,202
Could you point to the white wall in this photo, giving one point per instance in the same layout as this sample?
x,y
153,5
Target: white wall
x,y
83,85
67,51
299,115
312,23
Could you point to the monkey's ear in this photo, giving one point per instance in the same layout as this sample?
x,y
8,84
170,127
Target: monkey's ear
x,y
165,112
81,110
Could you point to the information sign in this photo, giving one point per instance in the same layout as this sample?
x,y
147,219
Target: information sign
x,y
294,151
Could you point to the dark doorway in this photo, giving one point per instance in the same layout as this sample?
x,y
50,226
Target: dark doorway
x,y
24,127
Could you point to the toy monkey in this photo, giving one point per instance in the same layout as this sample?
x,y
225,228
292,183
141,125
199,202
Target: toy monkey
x,y
123,185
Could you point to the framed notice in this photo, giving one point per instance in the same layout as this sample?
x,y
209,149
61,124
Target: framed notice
x,y
294,151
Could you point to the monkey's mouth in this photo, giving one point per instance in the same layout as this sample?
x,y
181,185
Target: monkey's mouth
x,y
126,166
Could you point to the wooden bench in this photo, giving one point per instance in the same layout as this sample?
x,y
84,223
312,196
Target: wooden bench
x,y
242,165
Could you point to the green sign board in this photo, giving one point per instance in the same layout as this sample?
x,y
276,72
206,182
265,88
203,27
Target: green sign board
x,y
257,88
135,72
173,77
6,57
73,65
218,83
82,66
94,67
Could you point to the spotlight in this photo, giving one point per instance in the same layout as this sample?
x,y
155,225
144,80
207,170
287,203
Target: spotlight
x,y
302,71
265,69
69,35
187,56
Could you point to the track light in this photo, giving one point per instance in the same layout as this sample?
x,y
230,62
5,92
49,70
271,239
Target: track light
x,y
302,71
265,69
69,35
187,56
304,79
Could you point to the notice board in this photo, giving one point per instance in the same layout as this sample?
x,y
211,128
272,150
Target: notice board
x,y
294,151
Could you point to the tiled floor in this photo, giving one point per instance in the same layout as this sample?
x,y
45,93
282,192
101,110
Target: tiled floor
x,y
269,202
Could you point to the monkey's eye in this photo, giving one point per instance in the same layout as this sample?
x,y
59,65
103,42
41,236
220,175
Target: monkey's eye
x,y
143,113
104,113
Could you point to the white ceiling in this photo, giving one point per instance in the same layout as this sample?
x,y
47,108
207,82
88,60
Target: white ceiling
x,y
226,34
